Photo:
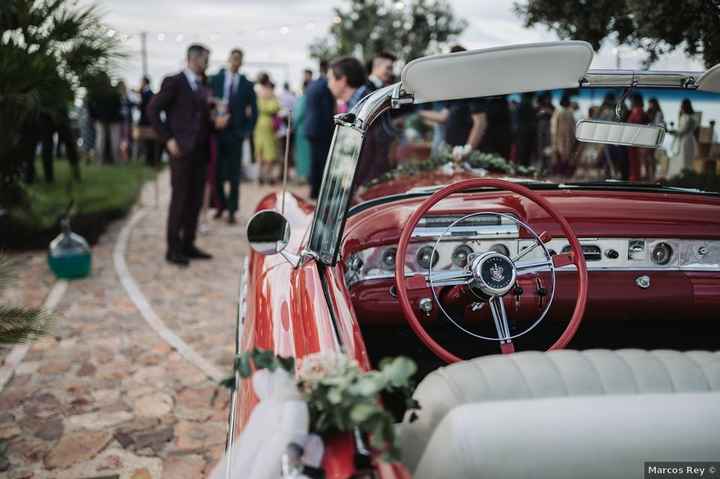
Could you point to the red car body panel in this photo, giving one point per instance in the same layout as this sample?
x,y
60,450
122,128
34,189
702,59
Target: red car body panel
x,y
287,309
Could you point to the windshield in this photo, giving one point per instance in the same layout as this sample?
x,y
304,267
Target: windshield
x,y
531,137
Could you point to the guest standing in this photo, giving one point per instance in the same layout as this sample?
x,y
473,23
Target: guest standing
x,y
105,109
562,129
545,111
185,132
237,95
381,71
527,129
152,157
302,146
347,81
636,156
320,108
266,143
684,145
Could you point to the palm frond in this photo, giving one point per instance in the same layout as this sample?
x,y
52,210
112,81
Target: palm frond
x,y
18,325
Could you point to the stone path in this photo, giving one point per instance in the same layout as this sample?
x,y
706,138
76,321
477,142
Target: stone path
x,y
104,395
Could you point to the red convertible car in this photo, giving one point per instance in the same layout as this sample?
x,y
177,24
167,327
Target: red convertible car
x,y
556,279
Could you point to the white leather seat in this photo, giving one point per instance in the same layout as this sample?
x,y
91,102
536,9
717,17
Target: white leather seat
x,y
554,374
593,437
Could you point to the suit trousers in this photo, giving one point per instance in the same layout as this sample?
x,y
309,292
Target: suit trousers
x,y
318,156
187,179
228,169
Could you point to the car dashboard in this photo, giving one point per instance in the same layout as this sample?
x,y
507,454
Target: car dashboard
x,y
500,234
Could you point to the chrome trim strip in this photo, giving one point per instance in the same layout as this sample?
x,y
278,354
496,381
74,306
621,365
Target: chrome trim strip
x,y
626,78
240,323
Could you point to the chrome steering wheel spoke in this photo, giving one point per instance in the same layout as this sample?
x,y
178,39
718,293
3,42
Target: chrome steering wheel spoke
x,y
539,266
497,309
449,278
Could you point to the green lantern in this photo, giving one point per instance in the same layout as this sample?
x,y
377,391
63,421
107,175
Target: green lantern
x,y
69,254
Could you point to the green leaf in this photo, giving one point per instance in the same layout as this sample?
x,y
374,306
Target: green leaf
x,y
399,371
288,364
228,382
264,359
243,365
362,412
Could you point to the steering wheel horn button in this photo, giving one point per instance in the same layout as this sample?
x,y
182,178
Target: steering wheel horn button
x,y
493,273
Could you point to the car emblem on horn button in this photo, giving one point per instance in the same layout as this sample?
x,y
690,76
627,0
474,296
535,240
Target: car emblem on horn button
x,y
497,273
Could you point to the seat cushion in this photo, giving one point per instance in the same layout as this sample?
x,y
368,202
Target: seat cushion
x,y
560,373
593,437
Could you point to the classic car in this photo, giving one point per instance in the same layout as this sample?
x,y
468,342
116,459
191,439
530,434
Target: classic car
x,y
561,317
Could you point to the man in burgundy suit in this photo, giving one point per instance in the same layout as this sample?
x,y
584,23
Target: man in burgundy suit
x,y
185,132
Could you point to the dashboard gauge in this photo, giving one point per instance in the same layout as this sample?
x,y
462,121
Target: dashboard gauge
x,y
460,255
662,253
423,257
500,248
388,258
636,249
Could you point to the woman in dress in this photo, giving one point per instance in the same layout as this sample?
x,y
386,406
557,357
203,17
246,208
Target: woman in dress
x,y
637,156
266,146
302,146
684,145
656,117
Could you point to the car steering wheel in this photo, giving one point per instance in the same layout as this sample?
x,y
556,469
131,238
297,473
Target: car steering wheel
x,y
492,274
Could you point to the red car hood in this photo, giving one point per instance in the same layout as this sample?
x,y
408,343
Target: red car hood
x,y
592,213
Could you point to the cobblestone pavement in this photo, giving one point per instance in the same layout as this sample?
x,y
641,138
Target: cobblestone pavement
x,y
103,395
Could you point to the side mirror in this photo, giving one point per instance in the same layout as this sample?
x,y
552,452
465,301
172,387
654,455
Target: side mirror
x,y
612,133
268,232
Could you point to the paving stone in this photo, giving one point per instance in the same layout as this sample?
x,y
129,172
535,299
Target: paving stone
x,y
48,429
8,431
87,369
189,466
154,405
77,447
42,405
97,420
192,436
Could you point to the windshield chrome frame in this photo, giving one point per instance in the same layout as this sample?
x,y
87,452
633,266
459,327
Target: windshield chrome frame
x,y
359,118
362,116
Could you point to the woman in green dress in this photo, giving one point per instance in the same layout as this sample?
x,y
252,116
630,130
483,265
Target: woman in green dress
x,y
302,146
266,143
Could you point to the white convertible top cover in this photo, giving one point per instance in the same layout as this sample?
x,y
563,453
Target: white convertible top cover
x,y
710,80
497,71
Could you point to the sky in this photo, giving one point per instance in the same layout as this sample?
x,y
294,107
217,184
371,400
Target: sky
x,y
275,34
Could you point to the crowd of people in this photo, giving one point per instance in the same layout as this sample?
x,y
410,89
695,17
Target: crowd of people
x,y
204,123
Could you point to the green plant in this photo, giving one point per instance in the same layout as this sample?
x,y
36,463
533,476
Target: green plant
x,y
48,49
18,324
476,160
341,397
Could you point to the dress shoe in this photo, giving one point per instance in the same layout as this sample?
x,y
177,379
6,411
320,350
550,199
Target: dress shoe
x,y
231,219
194,252
218,213
177,259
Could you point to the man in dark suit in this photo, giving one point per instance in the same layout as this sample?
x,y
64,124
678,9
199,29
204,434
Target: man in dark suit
x,y
185,132
319,111
238,97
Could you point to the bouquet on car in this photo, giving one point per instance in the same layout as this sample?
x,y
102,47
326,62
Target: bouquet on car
x,y
327,394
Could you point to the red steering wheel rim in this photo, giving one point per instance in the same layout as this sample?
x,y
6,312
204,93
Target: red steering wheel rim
x,y
401,282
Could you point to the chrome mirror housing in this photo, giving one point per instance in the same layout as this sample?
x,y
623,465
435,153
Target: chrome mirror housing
x,y
268,232
615,133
